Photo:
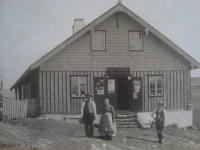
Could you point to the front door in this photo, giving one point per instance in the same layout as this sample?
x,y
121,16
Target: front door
x,y
118,92
123,94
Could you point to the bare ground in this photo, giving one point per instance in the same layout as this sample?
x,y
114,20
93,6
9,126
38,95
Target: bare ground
x,y
40,134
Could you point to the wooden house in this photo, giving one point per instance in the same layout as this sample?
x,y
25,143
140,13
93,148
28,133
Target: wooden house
x,y
117,56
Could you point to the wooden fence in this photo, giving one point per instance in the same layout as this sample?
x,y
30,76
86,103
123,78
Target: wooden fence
x,y
15,108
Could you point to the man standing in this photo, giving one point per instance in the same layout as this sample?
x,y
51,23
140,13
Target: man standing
x,y
159,120
88,112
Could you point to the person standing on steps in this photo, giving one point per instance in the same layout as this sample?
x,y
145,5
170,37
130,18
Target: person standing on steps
x,y
160,118
88,111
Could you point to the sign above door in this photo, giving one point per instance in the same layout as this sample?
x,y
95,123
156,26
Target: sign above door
x,y
118,71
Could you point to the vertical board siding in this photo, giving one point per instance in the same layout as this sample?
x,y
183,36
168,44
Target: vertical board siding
x,y
68,92
52,93
172,90
40,89
60,87
165,90
181,90
188,85
48,92
56,92
175,90
146,92
168,91
185,90
178,89
44,79
71,100
54,88
64,93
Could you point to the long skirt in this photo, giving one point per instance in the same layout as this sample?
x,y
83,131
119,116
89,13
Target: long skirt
x,y
106,126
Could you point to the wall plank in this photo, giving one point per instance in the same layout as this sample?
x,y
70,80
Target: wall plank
x,y
44,91
185,89
40,90
165,90
71,99
178,94
60,101
92,81
68,92
168,91
56,92
48,91
146,91
181,90
189,84
64,93
52,93
175,90
143,95
172,90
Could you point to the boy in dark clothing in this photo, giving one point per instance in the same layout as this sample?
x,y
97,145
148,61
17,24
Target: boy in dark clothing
x,y
159,120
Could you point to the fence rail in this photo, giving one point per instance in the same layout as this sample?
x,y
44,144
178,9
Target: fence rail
x,y
15,108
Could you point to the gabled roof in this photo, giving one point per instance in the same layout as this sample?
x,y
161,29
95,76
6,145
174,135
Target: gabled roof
x,y
117,8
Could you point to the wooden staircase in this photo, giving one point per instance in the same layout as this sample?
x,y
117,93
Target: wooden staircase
x,y
126,119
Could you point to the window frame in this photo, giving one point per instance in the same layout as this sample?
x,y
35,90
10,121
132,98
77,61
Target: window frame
x,y
156,89
71,76
142,44
92,41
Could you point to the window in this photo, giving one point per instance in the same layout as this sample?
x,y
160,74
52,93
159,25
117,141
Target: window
x,y
155,85
135,41
78,86
98,40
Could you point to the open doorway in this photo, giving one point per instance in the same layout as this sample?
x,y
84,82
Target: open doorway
x,y
123,94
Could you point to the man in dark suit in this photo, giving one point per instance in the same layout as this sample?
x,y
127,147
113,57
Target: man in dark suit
x,y
88,111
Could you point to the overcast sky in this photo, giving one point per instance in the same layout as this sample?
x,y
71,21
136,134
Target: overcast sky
x,y
31,28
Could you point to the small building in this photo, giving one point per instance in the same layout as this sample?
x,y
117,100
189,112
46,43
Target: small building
x,y
117,56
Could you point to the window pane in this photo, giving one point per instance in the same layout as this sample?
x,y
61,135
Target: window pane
x,y
78,86
135,41
155,85
95,40
152,92
74,86
98,40
83,86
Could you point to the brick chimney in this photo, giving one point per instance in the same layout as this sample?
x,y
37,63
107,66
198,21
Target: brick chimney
x,y
78,25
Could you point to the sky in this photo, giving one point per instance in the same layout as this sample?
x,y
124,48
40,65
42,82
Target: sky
x,y
31,28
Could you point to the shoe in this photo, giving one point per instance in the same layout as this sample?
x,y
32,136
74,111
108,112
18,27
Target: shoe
x,y
160,141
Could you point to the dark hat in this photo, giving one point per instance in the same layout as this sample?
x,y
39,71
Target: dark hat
x,y
160,102
89,94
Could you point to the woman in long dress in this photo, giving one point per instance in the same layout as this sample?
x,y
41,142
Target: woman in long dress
x,y
107,127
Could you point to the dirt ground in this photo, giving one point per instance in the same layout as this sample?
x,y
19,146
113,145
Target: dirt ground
x,y
41,134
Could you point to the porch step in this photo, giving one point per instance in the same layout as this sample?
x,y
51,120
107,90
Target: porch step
x,y
124,116
126,119
127,123
123,112
128,126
